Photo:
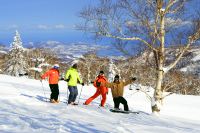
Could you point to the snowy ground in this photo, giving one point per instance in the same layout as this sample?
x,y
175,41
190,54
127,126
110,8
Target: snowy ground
x,y
24,109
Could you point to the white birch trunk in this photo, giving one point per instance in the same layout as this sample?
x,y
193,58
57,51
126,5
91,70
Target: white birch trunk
x,y
156,106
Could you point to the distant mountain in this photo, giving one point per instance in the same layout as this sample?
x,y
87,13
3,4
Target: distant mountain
x,y
189,63
70,51
77,47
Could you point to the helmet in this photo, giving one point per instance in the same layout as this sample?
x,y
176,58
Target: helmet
x,y
56,66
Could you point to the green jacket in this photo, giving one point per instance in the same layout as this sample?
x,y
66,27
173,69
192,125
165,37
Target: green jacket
x,y
74,77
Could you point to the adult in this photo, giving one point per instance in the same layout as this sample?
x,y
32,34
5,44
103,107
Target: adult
x,y
117,88
53,83
72,78
100,90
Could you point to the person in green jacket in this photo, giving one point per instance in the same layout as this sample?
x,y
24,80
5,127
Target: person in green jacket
x,y
72,77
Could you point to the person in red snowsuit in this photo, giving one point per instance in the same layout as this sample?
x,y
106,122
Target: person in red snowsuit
x,y
53,82
100,90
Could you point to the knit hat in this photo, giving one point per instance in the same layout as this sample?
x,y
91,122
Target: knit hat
x,y
101,72
117,77
74,66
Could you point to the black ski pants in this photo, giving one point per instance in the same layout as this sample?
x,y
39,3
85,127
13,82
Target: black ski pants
x,y
54,91
119,100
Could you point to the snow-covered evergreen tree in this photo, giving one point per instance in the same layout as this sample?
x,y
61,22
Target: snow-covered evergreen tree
x,y
111,71
15,63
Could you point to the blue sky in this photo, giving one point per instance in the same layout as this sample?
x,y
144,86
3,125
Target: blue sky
x,y
43,20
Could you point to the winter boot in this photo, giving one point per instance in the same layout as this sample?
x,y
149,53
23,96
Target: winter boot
x,y
57,101
117,109
74,104
85,104
101,105
52,101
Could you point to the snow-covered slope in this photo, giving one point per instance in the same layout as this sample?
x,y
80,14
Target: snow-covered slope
x,y
24,109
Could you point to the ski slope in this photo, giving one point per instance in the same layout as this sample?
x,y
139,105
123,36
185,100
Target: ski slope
x,y
24,110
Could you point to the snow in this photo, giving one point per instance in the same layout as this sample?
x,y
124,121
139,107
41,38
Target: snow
x,y
196,58
24,109
162,10
185,69
43,64
36,69
164,69
38,59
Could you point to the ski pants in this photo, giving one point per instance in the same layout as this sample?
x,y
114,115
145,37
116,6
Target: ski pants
x,y
101,92
54,91
73,93
119,100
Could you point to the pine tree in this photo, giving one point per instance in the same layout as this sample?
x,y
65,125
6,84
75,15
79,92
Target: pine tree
x,y
15,63
111,71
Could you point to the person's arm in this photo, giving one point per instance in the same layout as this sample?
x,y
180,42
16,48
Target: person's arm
x,y
95,82
108,85
46,74
79,80
67,75
129,81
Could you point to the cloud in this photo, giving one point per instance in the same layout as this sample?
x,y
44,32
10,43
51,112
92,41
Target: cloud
x,y
168,21
130,23
60,27
42,27
11,27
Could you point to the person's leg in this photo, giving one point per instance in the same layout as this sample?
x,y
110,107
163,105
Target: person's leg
x,y
75,93
56,92
51,88
103,93
93,97
71,94
116,103
124,102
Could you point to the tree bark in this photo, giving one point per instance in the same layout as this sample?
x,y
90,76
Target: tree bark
x,y
157,93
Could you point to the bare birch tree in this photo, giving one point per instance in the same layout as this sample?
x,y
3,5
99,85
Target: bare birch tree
x,y
154,24
88,62
40,60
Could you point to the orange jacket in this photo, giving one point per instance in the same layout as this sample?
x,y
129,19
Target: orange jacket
x,y
101,79
53,76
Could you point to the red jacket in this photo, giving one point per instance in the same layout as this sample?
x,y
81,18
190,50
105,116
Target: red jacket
x,y
53,76
101,79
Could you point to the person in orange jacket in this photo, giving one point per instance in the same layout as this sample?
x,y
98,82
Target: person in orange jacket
x,y
53,83
100,90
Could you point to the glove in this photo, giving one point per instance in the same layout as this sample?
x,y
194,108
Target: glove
x,y
98,84
82,84
134,78
67,80
107,93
